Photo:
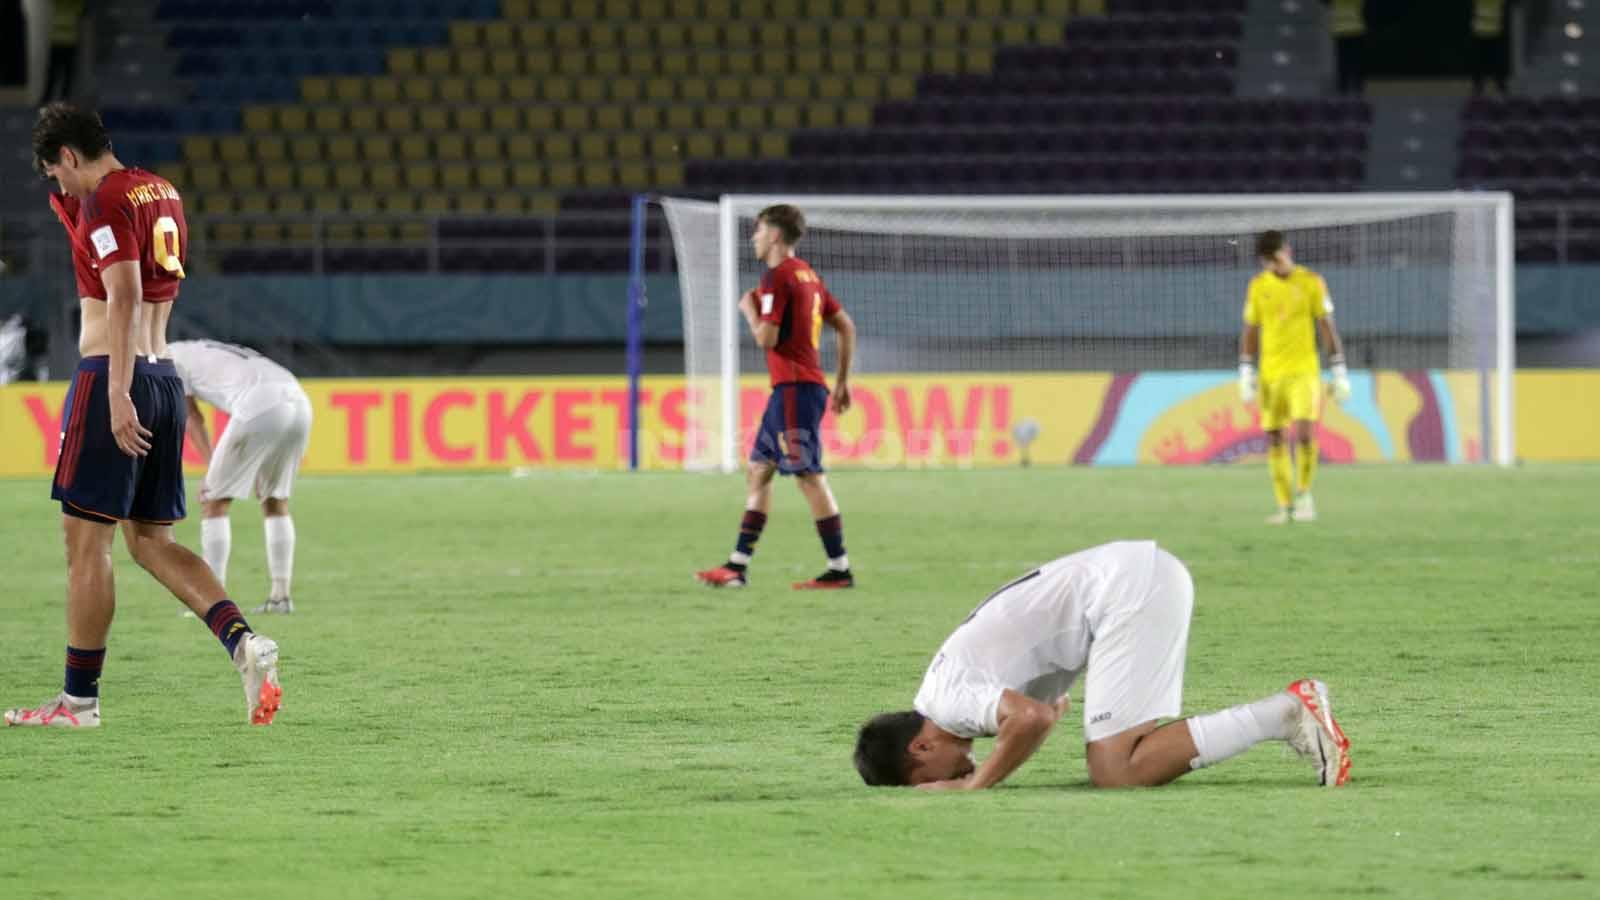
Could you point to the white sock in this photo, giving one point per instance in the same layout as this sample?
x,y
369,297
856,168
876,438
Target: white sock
x,y
216,542
280,553
1226,734
842,564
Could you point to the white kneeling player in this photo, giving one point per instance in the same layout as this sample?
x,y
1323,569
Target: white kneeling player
x,y
1118,613
269,425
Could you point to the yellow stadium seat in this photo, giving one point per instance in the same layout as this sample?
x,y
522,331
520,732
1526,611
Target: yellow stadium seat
x,y
486,90
636,35
399,118
434,202
842,34
857,115
626,90
289,203
415,147
384,89
1047,31
505,63
485,146
618,9
832,87
694,90
293,119
911,34
797,88
980,60
573,62
635,175
498,35
437,61
660,90
594,146
865,87
989,9
700,146
599,175
464,34
786,9
736,146
606,62
242,177
450,147
404,61
644,118
945,59
978,33
681,117
328,118
491,176
706,64
665,146
538,63
562,175
417,89
475,204
677,64
854,9
521,146
822,115
522,90
945,34
422,177
910,60
314,176
384,176
557,89
559,146
315,90
713,117
228,232
258,118
341,148
591,90
349,178
575,118
505,118
216,203
720,10
277,177
1024,8
656,9
610,118
876,34
516,9
305,149
340,232
433,118
583,9
773,146
739,63
922,9
843,61
784,115
455,176
640,65
271,148
233,149
739,37
363,118
808,63
900,87
505,203
1063,8
372,232
327,202
301,232
453,90
199,149
539,118
543,204
255,204
472,62
400,203
1014,32
377,148
533,35
527,175
568,35
205,177
628,146
350,90
730,89
805,37
671,36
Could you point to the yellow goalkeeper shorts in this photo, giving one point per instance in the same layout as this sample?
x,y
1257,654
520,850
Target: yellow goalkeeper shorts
x,y
1291,399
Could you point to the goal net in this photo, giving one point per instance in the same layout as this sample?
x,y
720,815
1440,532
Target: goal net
x,y
1146,291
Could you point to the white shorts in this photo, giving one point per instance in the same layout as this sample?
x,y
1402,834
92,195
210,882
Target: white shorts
x,y
1135,671
261,454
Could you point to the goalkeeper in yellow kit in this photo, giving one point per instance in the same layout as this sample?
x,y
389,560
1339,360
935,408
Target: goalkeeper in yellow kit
x,y
1285,310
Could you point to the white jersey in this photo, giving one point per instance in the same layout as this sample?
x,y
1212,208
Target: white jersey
x,y
228,376
1033,636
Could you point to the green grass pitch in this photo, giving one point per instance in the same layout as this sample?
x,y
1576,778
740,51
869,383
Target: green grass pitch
x,y
511,687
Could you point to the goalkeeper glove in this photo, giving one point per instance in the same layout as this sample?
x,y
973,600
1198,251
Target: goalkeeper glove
x,y
1341,379
1247,379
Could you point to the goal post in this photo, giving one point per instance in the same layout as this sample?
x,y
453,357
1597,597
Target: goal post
x,y
1138,285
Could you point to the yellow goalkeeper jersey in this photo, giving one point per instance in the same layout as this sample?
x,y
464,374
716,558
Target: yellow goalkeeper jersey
x,y
1287,310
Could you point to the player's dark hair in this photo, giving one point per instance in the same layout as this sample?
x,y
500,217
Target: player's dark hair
x,y
65,125
787,219
1268,243
883,749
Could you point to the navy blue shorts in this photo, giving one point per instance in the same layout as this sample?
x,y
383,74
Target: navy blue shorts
x,y
791,428
95,480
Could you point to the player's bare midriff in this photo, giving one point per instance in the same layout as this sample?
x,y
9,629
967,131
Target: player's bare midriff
x,y
149,328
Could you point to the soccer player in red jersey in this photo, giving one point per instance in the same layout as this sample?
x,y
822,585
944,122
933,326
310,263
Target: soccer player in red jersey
x,y
786,314
121,458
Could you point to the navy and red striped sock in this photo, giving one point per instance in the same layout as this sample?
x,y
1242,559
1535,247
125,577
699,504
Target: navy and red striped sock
x,y
228,624
83,671
749,532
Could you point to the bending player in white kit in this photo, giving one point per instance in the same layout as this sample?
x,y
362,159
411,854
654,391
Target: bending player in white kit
x,y
269,425
1121,611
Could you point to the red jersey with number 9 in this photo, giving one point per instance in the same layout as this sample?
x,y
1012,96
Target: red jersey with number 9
x,y
794,297
133,215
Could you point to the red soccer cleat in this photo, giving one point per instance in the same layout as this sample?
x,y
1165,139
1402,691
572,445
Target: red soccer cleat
x,y
721,576
827,581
